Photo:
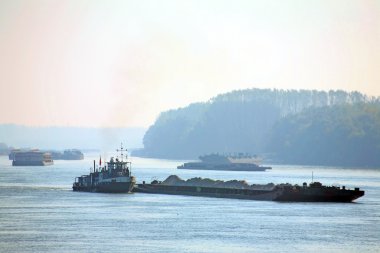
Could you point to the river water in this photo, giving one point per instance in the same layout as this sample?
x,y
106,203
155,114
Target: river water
x,y
40,213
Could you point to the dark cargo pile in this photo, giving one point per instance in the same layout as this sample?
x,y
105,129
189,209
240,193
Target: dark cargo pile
x,y
207,182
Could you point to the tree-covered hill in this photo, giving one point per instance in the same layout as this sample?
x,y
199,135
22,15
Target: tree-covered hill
x,y
238,121
347,135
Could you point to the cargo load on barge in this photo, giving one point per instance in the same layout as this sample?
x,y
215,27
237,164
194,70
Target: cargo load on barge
x,y
114,177
314,192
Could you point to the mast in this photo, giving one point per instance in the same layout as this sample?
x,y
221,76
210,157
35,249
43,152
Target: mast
x,y
121,152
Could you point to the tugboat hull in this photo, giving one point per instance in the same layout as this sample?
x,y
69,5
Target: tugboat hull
x,y
114,187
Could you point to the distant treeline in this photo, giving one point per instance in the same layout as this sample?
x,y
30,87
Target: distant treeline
x,y
291,126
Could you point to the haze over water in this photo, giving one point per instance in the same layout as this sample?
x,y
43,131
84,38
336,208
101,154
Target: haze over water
x,y
121,63
40,213
88,74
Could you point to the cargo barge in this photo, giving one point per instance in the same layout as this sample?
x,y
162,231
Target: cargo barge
x,y
68,154
314,192
222,162
32,158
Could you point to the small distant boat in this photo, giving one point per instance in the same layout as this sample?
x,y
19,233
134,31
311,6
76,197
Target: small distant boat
x,y
31,158
114,177
221,162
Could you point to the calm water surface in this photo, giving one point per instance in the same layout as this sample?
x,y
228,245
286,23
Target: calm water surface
x,y
40,213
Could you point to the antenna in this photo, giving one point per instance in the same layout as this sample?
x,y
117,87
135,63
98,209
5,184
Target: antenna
x,y
121,151
312,176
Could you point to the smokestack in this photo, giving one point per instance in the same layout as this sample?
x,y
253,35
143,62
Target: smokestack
x,y
94,166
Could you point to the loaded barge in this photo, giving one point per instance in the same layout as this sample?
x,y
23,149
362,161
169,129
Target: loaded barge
x,y
314,192
224,162
32,157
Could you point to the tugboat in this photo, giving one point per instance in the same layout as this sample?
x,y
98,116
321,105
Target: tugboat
x,y
114,177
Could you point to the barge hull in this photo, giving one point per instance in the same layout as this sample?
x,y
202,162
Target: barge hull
x,y
322,196
209,192
31,163
225,168
277,194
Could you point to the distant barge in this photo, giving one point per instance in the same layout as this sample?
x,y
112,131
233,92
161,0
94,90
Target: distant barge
x,y
32,158
314,192
68,154
222,162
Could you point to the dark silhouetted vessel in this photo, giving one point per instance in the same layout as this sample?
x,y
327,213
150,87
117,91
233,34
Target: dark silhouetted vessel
x,y
314,192
115,177
221,162
32,157
68,154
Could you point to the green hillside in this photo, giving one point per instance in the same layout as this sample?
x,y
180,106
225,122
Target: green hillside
x,y
346,135
263,122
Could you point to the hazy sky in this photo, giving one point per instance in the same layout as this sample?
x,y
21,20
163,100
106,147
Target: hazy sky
x,y
120,63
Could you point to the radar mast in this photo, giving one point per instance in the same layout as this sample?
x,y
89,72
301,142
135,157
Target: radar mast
x,y
121,152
